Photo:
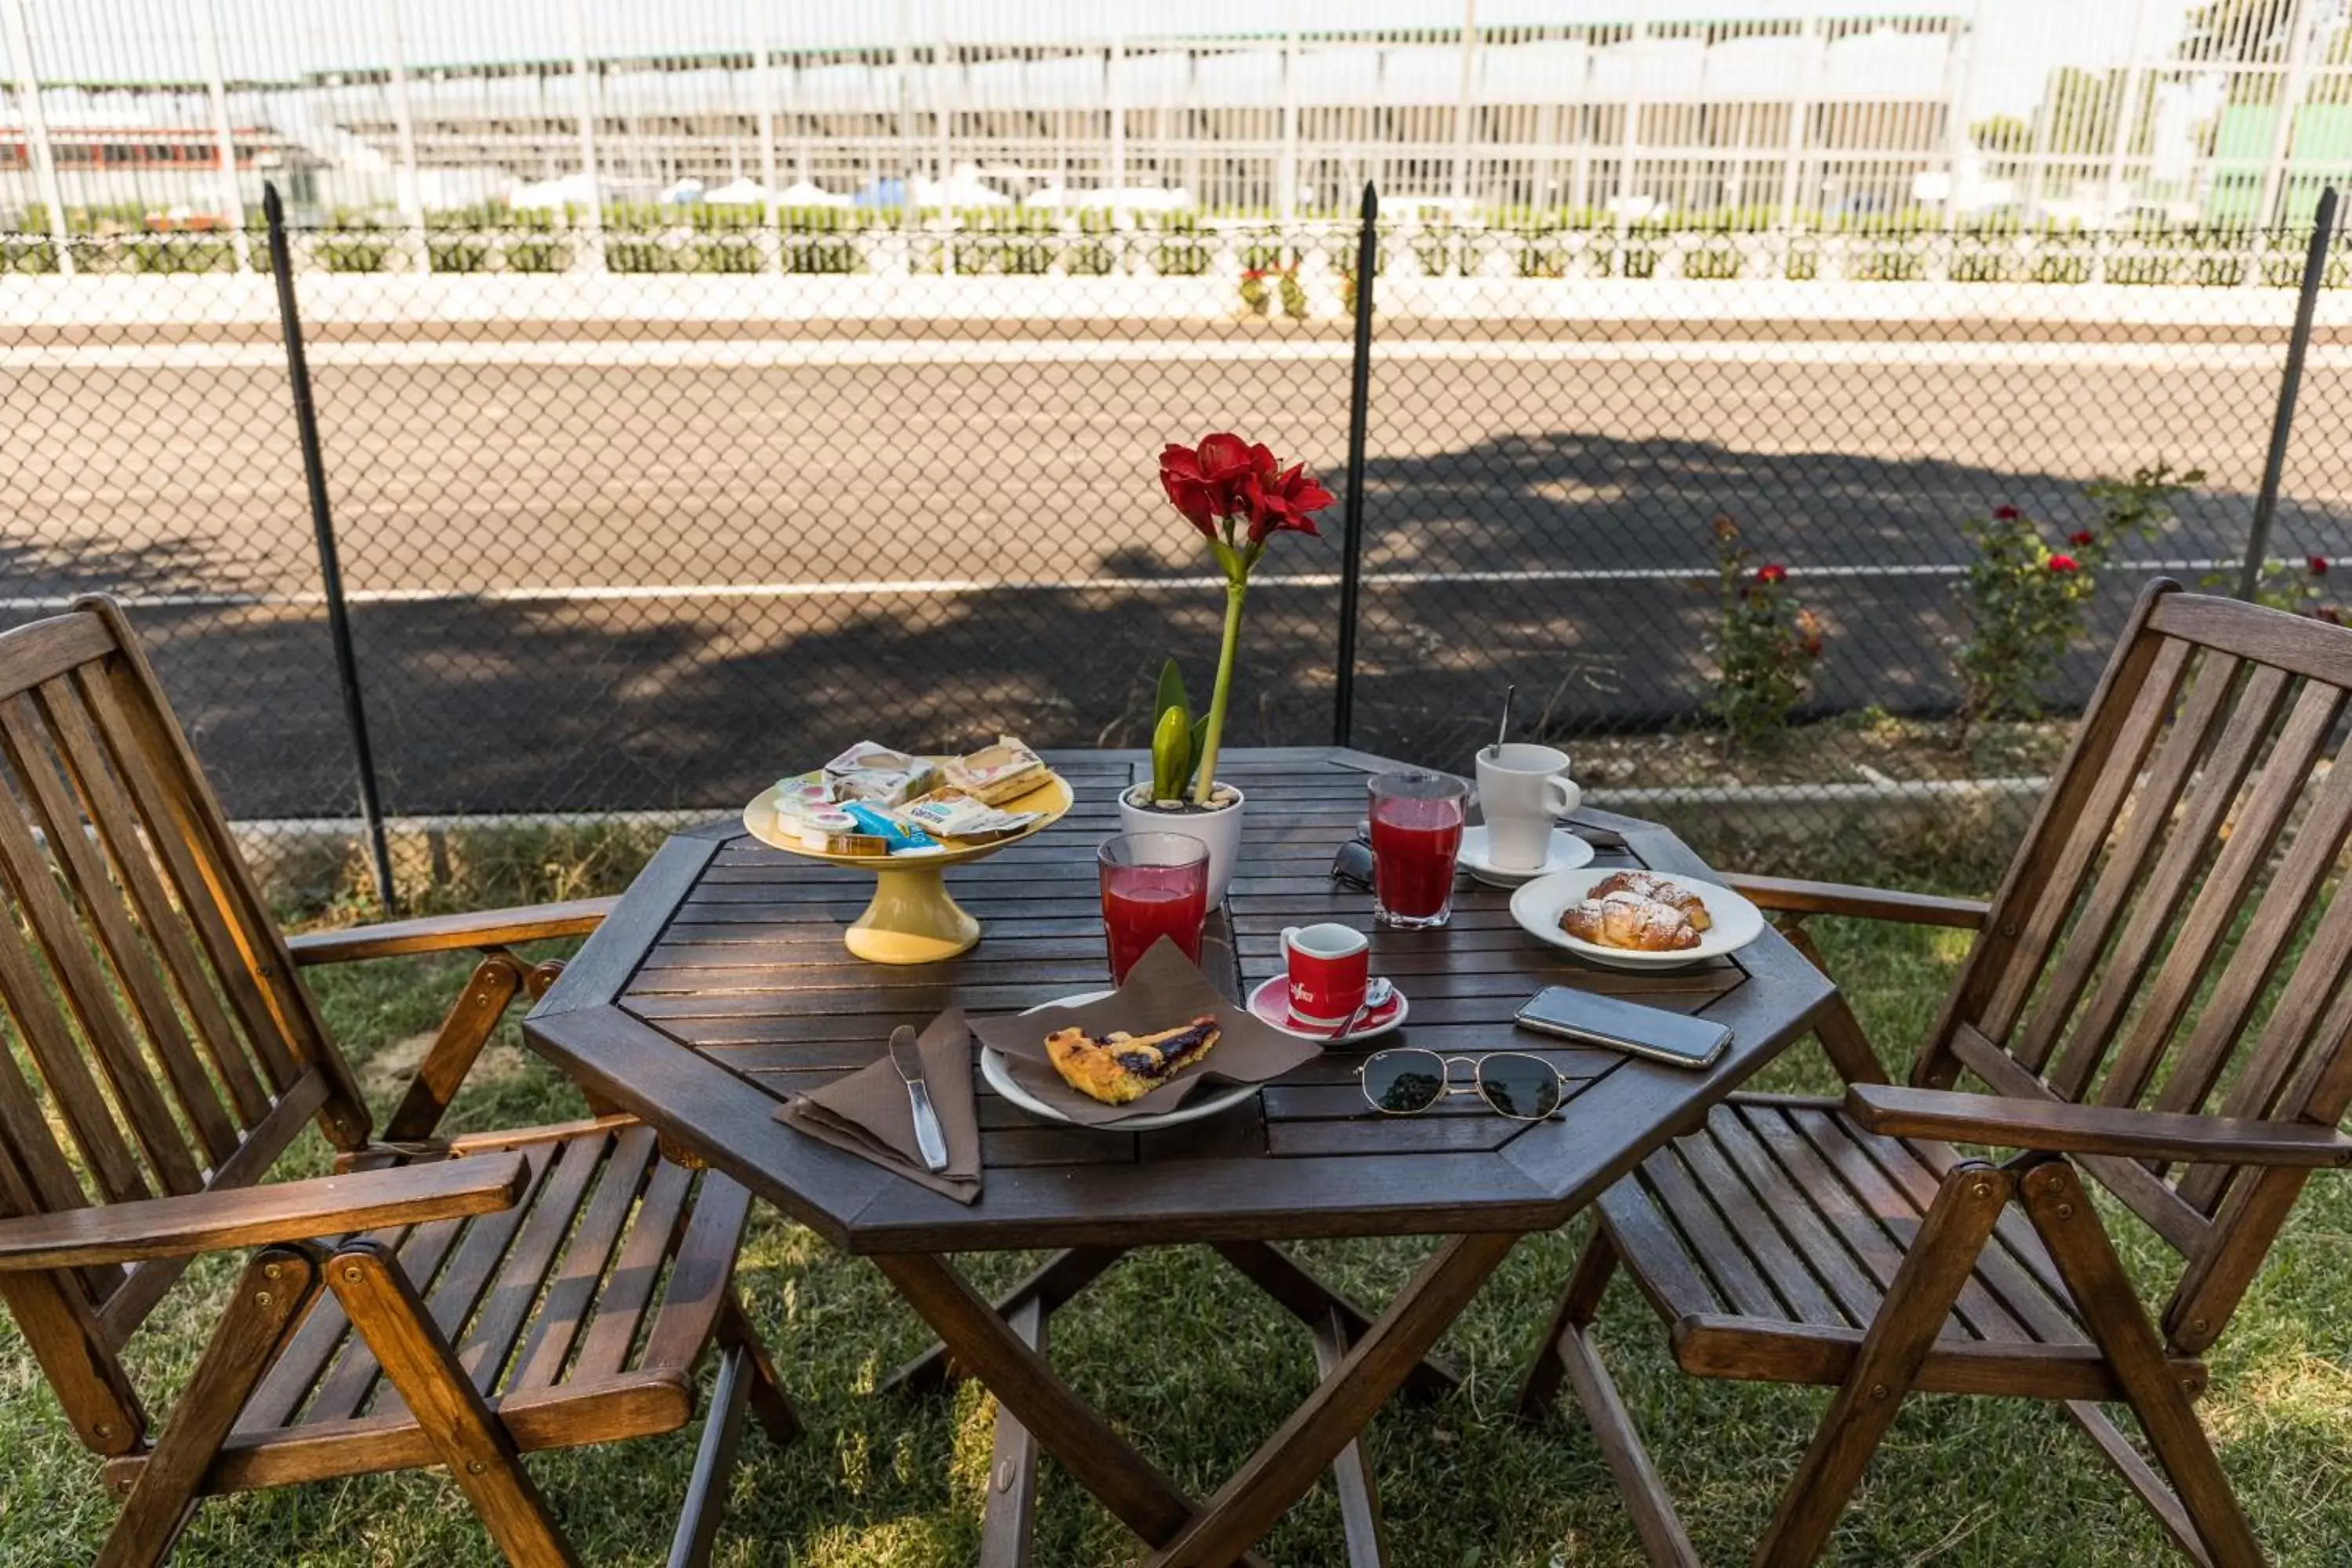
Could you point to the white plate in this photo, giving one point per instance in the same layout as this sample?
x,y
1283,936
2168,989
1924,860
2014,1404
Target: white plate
x,y
1269,1003
1539,906
999,1078
1565,853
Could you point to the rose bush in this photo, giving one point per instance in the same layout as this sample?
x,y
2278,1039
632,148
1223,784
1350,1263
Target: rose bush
x,y
2022,602
1765,643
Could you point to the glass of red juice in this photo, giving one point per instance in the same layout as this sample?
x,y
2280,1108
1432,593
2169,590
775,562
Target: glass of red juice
x,y
1416,833
1153,884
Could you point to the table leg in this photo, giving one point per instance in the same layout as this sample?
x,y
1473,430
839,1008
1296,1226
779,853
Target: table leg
x,y
1051,1285
1352,1476
1008,1519
1101,1460
1294,1289
1287,1464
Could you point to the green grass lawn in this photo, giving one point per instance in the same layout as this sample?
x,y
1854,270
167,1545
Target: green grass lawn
x,y
1197,1366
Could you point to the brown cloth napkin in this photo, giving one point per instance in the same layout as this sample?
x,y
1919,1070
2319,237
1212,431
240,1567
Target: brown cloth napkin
x,y
867,1113
1162,991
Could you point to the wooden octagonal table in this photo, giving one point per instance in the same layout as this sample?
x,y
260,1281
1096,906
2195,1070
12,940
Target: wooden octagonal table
x,y
719,987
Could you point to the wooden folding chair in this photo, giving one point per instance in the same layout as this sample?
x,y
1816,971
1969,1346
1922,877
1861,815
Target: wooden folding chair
x,y
2156,1001
458,1303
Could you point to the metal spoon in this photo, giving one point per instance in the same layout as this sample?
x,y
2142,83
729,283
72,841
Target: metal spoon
x,y
1503,731
1376,996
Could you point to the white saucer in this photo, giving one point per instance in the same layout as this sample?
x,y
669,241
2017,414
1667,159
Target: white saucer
x,y
1269,1003
1566,853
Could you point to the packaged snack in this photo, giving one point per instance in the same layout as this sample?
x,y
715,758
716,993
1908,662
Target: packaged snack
x,y
953,814
900,837
997,774
800,796
869,771
845,843
819,828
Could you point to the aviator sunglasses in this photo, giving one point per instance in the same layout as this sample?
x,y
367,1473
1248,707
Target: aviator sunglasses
x,y
1352,866
1409,1080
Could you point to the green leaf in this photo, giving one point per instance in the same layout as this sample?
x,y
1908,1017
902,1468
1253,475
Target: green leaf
x,y
1200,739
1172,693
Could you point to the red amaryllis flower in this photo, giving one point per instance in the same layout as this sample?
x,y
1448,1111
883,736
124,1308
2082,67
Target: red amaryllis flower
x,y
1771,572
2316,564
1204,482
2063,564
2005,514
2081,537
1282,501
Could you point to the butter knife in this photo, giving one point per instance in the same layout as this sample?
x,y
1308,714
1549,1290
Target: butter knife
x,y
931,1137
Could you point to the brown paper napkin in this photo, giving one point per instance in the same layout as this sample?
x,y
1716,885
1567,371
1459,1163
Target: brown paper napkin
x,y
1162,991
867,1113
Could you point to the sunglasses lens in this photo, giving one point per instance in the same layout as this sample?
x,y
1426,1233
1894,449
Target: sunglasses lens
x,y
1404,1082
1353,863
1518,1085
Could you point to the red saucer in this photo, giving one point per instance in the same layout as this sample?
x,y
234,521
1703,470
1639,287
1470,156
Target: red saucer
x,y
1269,1003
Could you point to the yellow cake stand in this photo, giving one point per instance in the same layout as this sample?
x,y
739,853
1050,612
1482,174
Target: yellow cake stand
x,y
912,920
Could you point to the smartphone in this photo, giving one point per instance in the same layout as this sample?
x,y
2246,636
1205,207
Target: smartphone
x,y
1662,1036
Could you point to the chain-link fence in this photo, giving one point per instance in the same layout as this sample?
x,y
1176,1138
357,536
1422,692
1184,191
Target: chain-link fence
x,y
633,520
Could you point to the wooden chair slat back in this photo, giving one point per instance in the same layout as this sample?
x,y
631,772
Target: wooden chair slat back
x,y
2170,936
159,1043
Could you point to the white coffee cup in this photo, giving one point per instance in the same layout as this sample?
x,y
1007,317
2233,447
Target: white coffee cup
x,y
1523,789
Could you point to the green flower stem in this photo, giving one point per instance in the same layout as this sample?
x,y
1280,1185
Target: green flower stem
x,y
1236,590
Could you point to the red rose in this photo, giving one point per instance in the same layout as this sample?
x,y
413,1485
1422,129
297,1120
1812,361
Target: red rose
x,y
1280,500
2081,537
2063,564
2328,612
2005,514
2316,564
1771,572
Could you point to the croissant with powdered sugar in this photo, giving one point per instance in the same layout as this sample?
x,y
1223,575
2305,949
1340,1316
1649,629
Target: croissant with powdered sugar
x,y
1657,889
1625,919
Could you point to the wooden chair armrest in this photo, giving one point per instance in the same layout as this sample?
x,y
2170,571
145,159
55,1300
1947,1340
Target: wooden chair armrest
x,y
250,1217
1791,896
440,933
2059,1127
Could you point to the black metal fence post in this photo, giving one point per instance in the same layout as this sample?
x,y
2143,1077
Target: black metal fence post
x,y
2315,270
331,570
1360,397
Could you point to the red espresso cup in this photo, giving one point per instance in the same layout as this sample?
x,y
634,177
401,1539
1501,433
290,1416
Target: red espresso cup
x,y
1329,967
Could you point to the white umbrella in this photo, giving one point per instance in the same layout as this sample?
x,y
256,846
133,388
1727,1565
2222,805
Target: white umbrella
x,y
736,194
549,195
802,194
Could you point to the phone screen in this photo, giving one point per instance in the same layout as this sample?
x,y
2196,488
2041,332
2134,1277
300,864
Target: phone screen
x,y
1628,1026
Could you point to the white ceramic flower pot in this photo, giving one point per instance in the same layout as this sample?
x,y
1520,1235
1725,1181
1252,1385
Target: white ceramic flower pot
x,y
1220,829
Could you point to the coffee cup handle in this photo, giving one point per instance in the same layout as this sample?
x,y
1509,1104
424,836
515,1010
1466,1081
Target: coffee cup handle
x,y
1289,937
1561,795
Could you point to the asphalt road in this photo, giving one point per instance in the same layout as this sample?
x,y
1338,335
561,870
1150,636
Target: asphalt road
x,y
589,586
